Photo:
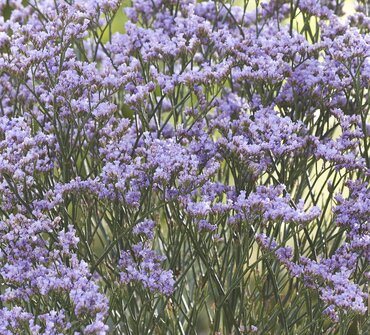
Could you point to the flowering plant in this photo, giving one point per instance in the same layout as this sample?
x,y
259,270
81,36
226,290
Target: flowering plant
x,y
205,170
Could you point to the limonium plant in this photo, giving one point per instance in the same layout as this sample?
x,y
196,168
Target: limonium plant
x,y
203,171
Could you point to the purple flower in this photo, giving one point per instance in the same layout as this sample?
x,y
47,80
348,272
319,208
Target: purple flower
x,y
144,266
146,228
33,265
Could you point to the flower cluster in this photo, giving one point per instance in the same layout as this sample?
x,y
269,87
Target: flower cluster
x,y
144,267
44,271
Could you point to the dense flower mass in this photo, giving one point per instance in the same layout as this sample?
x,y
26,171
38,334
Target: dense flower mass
x,y
183,166
36,268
